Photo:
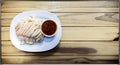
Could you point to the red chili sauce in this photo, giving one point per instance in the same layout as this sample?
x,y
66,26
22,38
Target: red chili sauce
x,y
49,27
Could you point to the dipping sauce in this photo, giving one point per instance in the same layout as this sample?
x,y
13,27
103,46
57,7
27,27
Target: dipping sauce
x,y
49,27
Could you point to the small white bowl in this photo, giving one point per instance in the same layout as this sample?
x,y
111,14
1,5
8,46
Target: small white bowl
x,y
49,35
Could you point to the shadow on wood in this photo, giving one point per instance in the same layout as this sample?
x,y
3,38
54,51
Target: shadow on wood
x,y
81,50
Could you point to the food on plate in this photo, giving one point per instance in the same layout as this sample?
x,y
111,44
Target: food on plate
x,y
28,30
49,28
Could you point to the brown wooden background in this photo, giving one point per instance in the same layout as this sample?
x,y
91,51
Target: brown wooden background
x,y
90,32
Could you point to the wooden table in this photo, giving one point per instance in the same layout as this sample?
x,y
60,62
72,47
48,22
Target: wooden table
x,y
89,32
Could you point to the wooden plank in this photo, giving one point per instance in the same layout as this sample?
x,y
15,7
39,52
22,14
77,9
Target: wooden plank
x,y
62,53
68,49
79,33
75,19
58,59
60,4
12,10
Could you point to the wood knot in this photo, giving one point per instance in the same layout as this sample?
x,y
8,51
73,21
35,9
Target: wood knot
x,y
109,17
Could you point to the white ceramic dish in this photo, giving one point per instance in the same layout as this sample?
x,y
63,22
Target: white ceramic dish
x,y
47,43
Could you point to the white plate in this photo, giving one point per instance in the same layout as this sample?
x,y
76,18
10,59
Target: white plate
x,y
47,43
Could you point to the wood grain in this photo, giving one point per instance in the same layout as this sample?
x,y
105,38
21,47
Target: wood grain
x,y
103,6
58,59
61,4
89,28
75,19
68,49
79,33
11,10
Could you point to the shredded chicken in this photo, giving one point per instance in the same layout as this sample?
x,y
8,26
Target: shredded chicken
x,y
28,30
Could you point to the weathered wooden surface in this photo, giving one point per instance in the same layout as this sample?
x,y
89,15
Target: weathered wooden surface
x,y
76,19
69,48
89,30
79,33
